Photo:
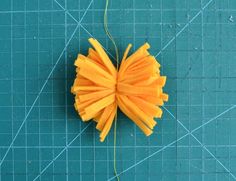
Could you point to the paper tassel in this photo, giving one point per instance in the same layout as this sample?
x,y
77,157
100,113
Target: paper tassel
x,y
136,88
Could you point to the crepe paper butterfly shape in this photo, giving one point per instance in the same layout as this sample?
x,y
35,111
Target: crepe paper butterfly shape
x,y
136,88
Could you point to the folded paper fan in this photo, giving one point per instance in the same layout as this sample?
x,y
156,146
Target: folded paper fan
x,y
136,88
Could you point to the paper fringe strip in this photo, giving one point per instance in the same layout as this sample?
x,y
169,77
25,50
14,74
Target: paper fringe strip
x,y
136,88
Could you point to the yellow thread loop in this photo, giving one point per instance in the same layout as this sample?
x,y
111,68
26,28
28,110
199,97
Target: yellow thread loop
x,y
117,66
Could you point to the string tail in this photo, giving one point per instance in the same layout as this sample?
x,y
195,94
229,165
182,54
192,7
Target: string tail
x,y
117,66
114,151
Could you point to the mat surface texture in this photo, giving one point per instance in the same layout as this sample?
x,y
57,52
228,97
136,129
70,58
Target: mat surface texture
x,y
42,137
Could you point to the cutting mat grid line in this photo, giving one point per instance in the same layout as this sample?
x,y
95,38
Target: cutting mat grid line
x,y
50,146
203,96
12,123
38,166
25,110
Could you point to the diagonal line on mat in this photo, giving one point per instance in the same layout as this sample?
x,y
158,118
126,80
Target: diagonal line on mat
x,y
93,37
48,77
46,167
203,146
67,12
174,142
186,25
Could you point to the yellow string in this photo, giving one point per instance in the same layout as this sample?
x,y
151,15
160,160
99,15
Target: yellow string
x,y
109,34
114,151
117,66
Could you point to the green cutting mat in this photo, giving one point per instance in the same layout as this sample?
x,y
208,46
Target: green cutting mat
x,y
41,136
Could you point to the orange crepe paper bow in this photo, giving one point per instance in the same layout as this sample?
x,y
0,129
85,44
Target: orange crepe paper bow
x,y
136,88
